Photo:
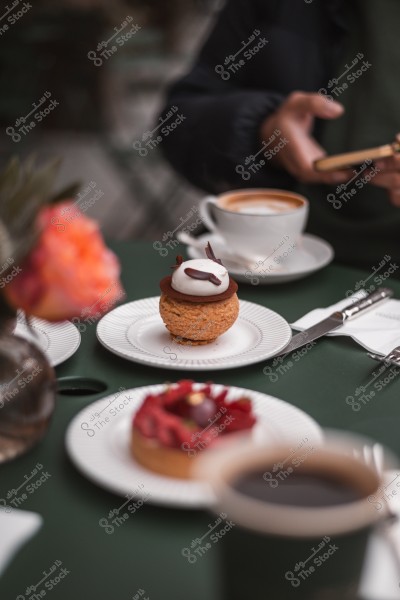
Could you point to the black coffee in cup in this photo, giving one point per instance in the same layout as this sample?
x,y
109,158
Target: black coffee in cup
x,y
302,520
300,489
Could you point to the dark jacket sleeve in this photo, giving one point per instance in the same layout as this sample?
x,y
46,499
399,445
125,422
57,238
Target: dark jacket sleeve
x,y
222,115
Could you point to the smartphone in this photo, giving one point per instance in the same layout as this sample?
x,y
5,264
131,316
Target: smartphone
x,y
352,159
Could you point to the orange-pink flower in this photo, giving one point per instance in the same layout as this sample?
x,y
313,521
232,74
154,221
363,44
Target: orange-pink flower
x,y
70,272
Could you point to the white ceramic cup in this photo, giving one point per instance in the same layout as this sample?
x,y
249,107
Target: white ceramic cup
x,y
256,233
286,546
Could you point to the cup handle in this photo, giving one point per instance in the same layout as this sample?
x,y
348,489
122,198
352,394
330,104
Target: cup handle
x,y
205,214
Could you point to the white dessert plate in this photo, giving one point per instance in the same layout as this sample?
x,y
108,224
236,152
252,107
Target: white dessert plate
x,y
58,341
98,443
136,331
310,254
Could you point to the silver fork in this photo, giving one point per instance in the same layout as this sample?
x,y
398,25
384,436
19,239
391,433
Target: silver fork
x,y
390,526
392,358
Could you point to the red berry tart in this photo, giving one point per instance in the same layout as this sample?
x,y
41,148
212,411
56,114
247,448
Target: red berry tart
x,y
171,428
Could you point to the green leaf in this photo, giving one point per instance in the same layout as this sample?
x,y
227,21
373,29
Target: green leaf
x,y
29,164
9,179
6,246
68,192
24,189
25,203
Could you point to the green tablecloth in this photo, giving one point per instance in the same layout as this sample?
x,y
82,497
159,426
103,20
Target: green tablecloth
x,y
144,553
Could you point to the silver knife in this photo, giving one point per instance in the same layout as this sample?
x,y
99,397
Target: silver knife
x,y
337,319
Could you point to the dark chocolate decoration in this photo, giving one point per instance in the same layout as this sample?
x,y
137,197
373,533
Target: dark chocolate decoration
x,y
203,275
168,290
179,261
210,254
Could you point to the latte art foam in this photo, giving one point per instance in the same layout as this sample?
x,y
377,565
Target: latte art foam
x,y
271,207
260,206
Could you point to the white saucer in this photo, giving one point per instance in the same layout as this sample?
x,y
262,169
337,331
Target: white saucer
x,y
100,446
58,341
311,254
136,331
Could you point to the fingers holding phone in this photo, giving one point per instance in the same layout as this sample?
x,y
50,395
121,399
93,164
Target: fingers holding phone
x,y
306,160
388,177
385,170
295,120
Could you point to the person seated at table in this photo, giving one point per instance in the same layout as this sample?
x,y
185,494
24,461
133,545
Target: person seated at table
x,y
264,76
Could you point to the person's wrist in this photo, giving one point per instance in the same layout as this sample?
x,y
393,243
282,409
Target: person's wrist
x,y
267,128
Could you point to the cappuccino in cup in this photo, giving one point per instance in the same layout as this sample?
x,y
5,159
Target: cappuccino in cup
x,y
256,222
260,203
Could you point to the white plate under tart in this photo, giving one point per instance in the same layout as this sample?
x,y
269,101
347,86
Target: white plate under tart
x,y
105,458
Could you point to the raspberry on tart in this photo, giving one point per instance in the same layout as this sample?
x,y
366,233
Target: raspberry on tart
x,y
171,428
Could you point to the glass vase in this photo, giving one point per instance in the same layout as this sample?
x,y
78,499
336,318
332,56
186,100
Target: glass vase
x,y
27,392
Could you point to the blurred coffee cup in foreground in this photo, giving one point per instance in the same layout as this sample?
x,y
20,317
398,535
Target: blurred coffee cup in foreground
x,y
301,516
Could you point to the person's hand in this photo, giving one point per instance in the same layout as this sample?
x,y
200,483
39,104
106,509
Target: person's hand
x,y
388,176
295,120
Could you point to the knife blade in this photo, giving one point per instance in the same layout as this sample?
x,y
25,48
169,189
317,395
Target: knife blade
x,y
337,319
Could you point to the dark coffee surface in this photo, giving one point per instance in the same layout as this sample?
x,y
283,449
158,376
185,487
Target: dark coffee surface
x,y
297,489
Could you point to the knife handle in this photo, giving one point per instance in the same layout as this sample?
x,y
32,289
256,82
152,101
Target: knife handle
x,y
366,303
